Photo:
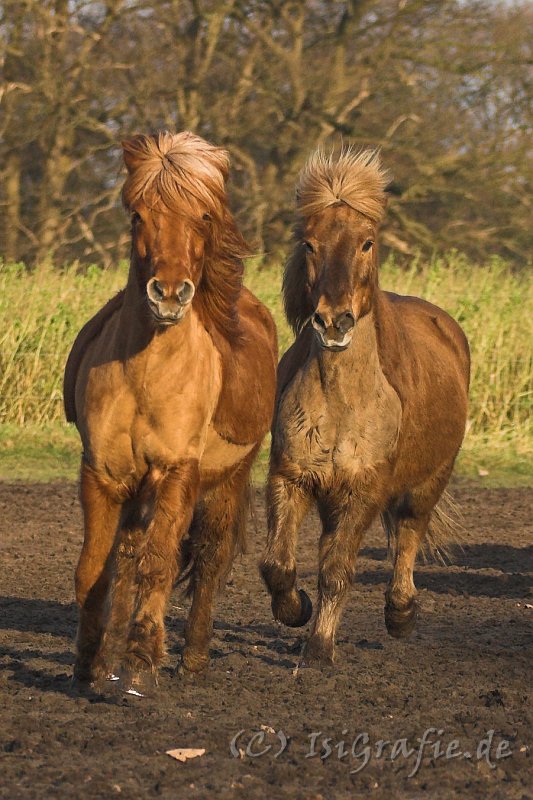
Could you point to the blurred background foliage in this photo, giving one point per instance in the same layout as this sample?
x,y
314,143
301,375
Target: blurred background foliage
x,y
443,88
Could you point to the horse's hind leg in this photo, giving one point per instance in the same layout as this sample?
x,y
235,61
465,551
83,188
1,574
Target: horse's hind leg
x,y
101,513
287,505
407,525
406,535
155,570
217,532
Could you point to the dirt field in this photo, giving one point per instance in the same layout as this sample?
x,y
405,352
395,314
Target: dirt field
x,y
465,673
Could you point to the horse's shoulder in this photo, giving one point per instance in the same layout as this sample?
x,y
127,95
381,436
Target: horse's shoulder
x,y
87,334
245,405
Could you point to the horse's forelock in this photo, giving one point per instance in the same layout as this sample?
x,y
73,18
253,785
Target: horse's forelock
x,y
181,170
354,177
296,291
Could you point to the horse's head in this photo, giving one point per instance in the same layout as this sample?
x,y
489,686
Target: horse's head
x,y
169,253
175,193
340,251
332,274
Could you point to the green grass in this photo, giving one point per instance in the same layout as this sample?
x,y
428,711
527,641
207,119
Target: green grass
x,y
41,312
39,452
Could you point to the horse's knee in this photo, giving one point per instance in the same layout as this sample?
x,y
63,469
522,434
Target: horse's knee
x,y
334,579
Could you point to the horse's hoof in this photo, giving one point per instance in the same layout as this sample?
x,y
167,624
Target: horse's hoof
x,y
82,685
317,652
400,622
88,675
135,684
187,676
294,618
192,663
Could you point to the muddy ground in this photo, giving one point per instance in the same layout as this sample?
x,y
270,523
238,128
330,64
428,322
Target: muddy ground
x,y
465,672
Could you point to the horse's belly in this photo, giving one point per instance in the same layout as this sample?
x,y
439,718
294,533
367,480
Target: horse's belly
x,y
220,455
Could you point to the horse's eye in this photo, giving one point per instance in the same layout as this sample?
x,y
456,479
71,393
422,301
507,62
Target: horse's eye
x,y
309,247
367,245
136,217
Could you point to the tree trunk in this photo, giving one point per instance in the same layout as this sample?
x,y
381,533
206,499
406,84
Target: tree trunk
x,y
12,202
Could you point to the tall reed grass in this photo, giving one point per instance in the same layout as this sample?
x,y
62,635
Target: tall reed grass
x,y
42,310
40,313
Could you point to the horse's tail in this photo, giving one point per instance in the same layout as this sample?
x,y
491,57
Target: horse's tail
x,y
445,531
444,535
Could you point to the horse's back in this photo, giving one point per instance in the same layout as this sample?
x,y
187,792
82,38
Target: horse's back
x,y
90,331
430,331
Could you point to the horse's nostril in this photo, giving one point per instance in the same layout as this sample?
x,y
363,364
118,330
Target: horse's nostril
x,y
156,290
318,322
186,292
345,322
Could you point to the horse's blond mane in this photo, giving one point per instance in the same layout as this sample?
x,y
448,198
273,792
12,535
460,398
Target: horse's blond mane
x,y
354,177
181,169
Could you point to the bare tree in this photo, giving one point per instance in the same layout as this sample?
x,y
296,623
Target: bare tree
x,y
443,88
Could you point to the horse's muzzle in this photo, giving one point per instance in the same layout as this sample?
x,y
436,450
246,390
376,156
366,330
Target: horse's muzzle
x,y
169,304
333,334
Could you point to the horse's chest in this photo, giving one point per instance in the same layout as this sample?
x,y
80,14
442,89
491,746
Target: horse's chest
x,y
143,419
327,436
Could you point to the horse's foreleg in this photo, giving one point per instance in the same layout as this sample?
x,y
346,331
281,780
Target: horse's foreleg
x,y
218,531
343,527
101,512
287,505
156,567
400,606
120,599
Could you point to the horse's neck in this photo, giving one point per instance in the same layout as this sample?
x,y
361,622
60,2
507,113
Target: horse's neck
x,y
357,369
137,333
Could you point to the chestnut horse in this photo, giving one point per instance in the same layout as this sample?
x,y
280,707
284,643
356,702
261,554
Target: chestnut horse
x,y
371,406
171,386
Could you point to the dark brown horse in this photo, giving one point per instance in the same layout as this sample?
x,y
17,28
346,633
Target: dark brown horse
x,y
171,386
371,407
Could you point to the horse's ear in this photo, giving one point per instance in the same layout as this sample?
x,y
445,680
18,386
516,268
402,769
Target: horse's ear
x,y
130,152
